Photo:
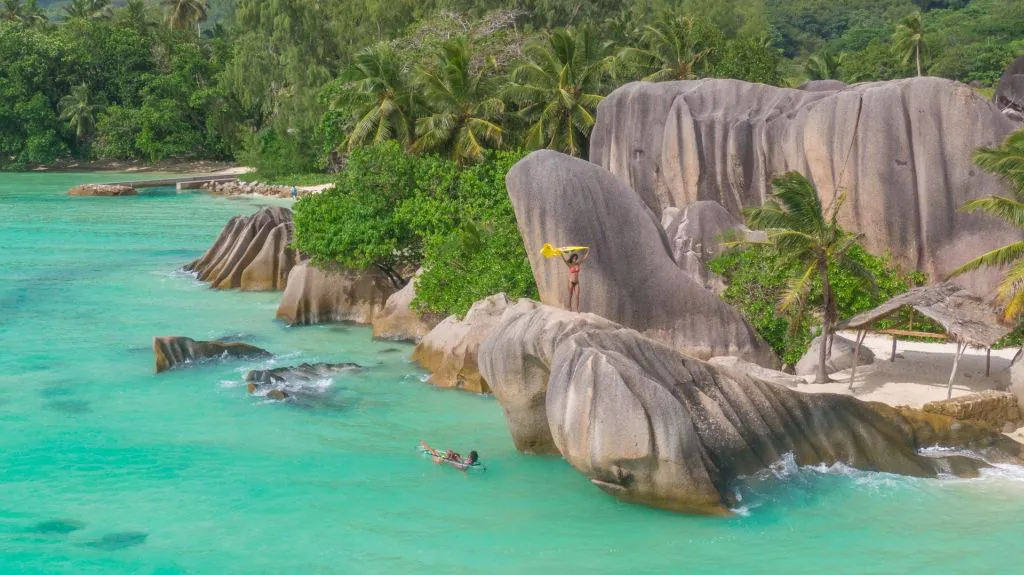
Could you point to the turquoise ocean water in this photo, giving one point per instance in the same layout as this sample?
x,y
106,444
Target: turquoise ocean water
x,y
107,468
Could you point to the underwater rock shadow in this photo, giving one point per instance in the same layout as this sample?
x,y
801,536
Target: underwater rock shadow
x,y
118,541
70,406
57,527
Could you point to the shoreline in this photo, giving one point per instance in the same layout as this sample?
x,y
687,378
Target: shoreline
x,y
182,167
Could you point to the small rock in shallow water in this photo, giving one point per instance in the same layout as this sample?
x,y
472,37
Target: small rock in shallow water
x,y
277,394
118,541
58,526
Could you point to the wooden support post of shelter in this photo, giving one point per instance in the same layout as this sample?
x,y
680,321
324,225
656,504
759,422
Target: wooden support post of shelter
x,y
856,354
966,318
988,362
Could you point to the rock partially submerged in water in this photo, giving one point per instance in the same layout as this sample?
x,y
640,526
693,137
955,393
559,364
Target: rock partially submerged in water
x,y
104,190
175,351
316,295
303,383
449,351
399,321
251,253
650,425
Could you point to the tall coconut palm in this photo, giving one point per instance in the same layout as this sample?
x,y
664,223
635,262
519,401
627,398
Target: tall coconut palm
x,y
381,78
1007,162
909,41
676,47
183,14
558,89
463,113
24,11
807,232
87,9
824,66
78,111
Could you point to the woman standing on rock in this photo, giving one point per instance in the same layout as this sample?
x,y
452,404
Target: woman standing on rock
x,y
574,262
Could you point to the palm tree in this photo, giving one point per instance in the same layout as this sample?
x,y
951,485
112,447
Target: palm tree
x,y
1007,162
463,113
183,14
908,40
382,78
78,111
87,9
24,11
677,47
805,231
824,66
558,89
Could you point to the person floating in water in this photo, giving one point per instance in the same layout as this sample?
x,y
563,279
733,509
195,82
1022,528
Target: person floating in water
x,y
575,262
451,457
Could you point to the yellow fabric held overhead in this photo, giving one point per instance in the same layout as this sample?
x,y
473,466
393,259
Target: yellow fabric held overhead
x,y
549,251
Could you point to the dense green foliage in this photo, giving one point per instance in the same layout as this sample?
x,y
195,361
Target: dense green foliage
x,y
397,212
292,85
759,275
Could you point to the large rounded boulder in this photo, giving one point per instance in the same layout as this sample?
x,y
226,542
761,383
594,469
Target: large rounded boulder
x,y
399,321
180,351
630,276
251,253
901,149
450,350
314,295
650,425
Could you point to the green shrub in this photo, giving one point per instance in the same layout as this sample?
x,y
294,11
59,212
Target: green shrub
x,y
757,275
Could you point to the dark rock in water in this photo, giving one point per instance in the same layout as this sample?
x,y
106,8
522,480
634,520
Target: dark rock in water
x,y
251,253
302,373
390,350
56,391
172,351
119,541
72,406
299,383
58,526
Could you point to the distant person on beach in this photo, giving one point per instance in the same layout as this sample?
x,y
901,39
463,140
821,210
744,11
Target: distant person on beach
x,y
574,262
295,192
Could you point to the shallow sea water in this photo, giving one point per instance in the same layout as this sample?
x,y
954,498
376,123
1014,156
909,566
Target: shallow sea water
x,y
108,468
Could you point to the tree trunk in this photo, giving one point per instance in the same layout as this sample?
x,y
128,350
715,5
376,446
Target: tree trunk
x,y
826,323
917,52
396,279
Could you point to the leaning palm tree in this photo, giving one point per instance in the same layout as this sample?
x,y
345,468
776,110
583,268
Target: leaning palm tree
x,y
1007,162
464,114
909,41
78,111
183,14
824,66
806,232
677,47
381,80
558,89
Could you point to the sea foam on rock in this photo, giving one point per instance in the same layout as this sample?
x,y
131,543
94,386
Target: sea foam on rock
x,y
901,149
650,425
630,276
251,253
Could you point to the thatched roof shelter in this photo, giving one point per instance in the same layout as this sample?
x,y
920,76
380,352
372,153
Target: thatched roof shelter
x,y
967,319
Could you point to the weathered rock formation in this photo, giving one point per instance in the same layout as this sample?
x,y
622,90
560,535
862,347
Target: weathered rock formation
x,y
1009,94
994,408
630,276
175,351
399,321
450,350
733,365
314,295
516,356
840,359
650,425
251,253
695,237
822,86
102,190
902,149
